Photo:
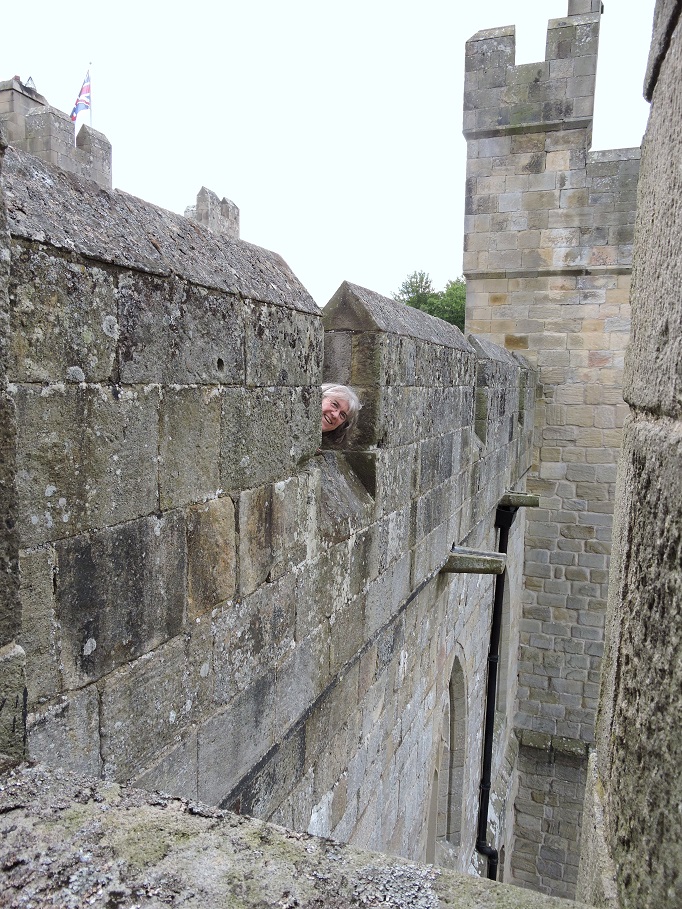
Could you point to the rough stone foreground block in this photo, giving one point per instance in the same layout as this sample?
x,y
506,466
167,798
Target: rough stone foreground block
x,y
189,445
281,424
120,592
63,323
233,741
86,458
12,692
283,347
637,730
66,733
38,625
173,332
144,708
211,555
185,850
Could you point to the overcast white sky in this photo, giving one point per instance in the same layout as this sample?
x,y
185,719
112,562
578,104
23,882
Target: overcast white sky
x,y
335,127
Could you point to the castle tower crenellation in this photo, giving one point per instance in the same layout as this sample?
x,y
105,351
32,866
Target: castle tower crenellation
x,y
558,93
34,126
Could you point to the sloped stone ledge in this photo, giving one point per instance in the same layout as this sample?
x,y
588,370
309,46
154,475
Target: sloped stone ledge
x,y
73,842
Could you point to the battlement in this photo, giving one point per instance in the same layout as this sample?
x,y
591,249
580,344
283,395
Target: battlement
x,y
558,93
34,126
219,215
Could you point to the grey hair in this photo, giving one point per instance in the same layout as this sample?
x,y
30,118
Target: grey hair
x,y
339,434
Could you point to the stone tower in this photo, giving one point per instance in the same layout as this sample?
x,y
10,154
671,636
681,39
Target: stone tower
x,y
548,245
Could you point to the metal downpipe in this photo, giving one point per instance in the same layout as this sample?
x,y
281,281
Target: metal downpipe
x,y
504,518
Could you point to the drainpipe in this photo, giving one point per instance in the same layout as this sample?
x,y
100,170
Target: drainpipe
x,y
504,518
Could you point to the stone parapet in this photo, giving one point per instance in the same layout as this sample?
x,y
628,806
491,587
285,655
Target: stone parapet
x,y
215,602
151,850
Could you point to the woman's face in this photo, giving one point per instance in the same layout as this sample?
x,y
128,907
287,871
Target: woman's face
x,y
334,412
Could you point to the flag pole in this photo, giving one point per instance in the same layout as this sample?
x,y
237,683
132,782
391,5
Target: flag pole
x,y
90,74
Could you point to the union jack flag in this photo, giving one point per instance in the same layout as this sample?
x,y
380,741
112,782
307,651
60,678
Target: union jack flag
x,y
83,99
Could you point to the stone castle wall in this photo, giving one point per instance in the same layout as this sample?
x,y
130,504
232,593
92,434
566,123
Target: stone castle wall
x,y
208,604
632,848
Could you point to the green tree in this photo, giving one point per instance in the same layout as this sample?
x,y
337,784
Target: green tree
x,y
415,290
449,304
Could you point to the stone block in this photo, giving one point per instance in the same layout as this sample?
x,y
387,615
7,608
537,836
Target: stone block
x,y
283,346
38,635
189,445
175,772
12,704
86,458
66,733
144,707
266,433
231,742
337,356
301,677
119,593
177,333
63,320
211,555
275,525
263,792
254,634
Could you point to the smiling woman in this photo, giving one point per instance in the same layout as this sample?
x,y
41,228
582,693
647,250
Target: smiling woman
x,y
340,409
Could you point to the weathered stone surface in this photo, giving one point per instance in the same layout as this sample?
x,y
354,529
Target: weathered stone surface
x,y
12,698
144,707
189,445
151,849
234,740
640,744
9,544
123,230
174,332
471,561
86,458
38,634
357,308
252,635
175,772
64,319
66,732
653,376
345,505
666,17
276,524
285,352
119,593
266,433
211,555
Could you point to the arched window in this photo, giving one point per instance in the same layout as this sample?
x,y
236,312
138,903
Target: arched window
x,y
451,777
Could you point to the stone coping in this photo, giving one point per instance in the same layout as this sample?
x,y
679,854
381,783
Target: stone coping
x,y
74,842
355,308
82,218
